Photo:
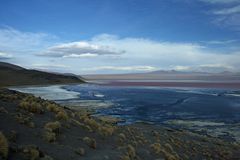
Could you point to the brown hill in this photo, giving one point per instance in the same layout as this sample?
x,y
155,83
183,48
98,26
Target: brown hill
x,y
13,75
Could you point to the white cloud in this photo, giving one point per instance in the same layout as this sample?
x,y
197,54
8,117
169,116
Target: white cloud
x,y
220,1
5,55
123,68
49,65
18,42
182,68
166,54
220,42
111,53
212,68
141,54
227,11
79,50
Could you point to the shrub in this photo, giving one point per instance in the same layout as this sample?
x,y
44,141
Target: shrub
x,y
168,147
80,151
125,157
3,146
53,108
53,127
31,152
106,130
122,137
50,136
3,110
131,151
62,115
90,142
91,122
31,106
156,147
46,157
169,156
12,137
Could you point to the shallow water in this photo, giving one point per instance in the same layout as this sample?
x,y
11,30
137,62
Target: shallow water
x,y
183,107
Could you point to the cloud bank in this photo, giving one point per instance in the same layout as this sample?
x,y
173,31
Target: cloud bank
x,y
79,50
110,53
5,55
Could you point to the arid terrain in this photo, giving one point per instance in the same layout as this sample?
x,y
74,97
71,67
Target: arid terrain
x,y
33,128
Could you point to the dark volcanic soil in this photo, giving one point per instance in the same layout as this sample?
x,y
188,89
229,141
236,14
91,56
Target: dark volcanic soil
x,y
38,129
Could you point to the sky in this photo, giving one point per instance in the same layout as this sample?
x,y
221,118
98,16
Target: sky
x,y
127,36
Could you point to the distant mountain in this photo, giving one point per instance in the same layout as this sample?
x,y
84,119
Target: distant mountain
x,y
170,75
13,75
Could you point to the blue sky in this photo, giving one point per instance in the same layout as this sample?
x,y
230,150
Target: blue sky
x,y
112,36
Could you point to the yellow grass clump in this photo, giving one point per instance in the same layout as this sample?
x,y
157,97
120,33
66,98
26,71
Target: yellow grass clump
x,y
62,115
106,130
31,106
53,107
122,137
53,127
3,146
131,151
91,122
50,136
90,142
156,147
31,152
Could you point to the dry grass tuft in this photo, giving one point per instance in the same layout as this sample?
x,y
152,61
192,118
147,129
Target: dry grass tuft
x,y
53,107
131,151
125,157
31,152
80,151
122,137
106,130
3,146
53,127
31,105
62,115
3,110
50,136
24,119
91,122
90,142
156,147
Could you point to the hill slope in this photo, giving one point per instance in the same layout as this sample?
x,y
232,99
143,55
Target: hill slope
x,y
12,75
36,129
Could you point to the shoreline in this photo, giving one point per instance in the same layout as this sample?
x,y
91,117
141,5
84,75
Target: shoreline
x,y
41,129
214,85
